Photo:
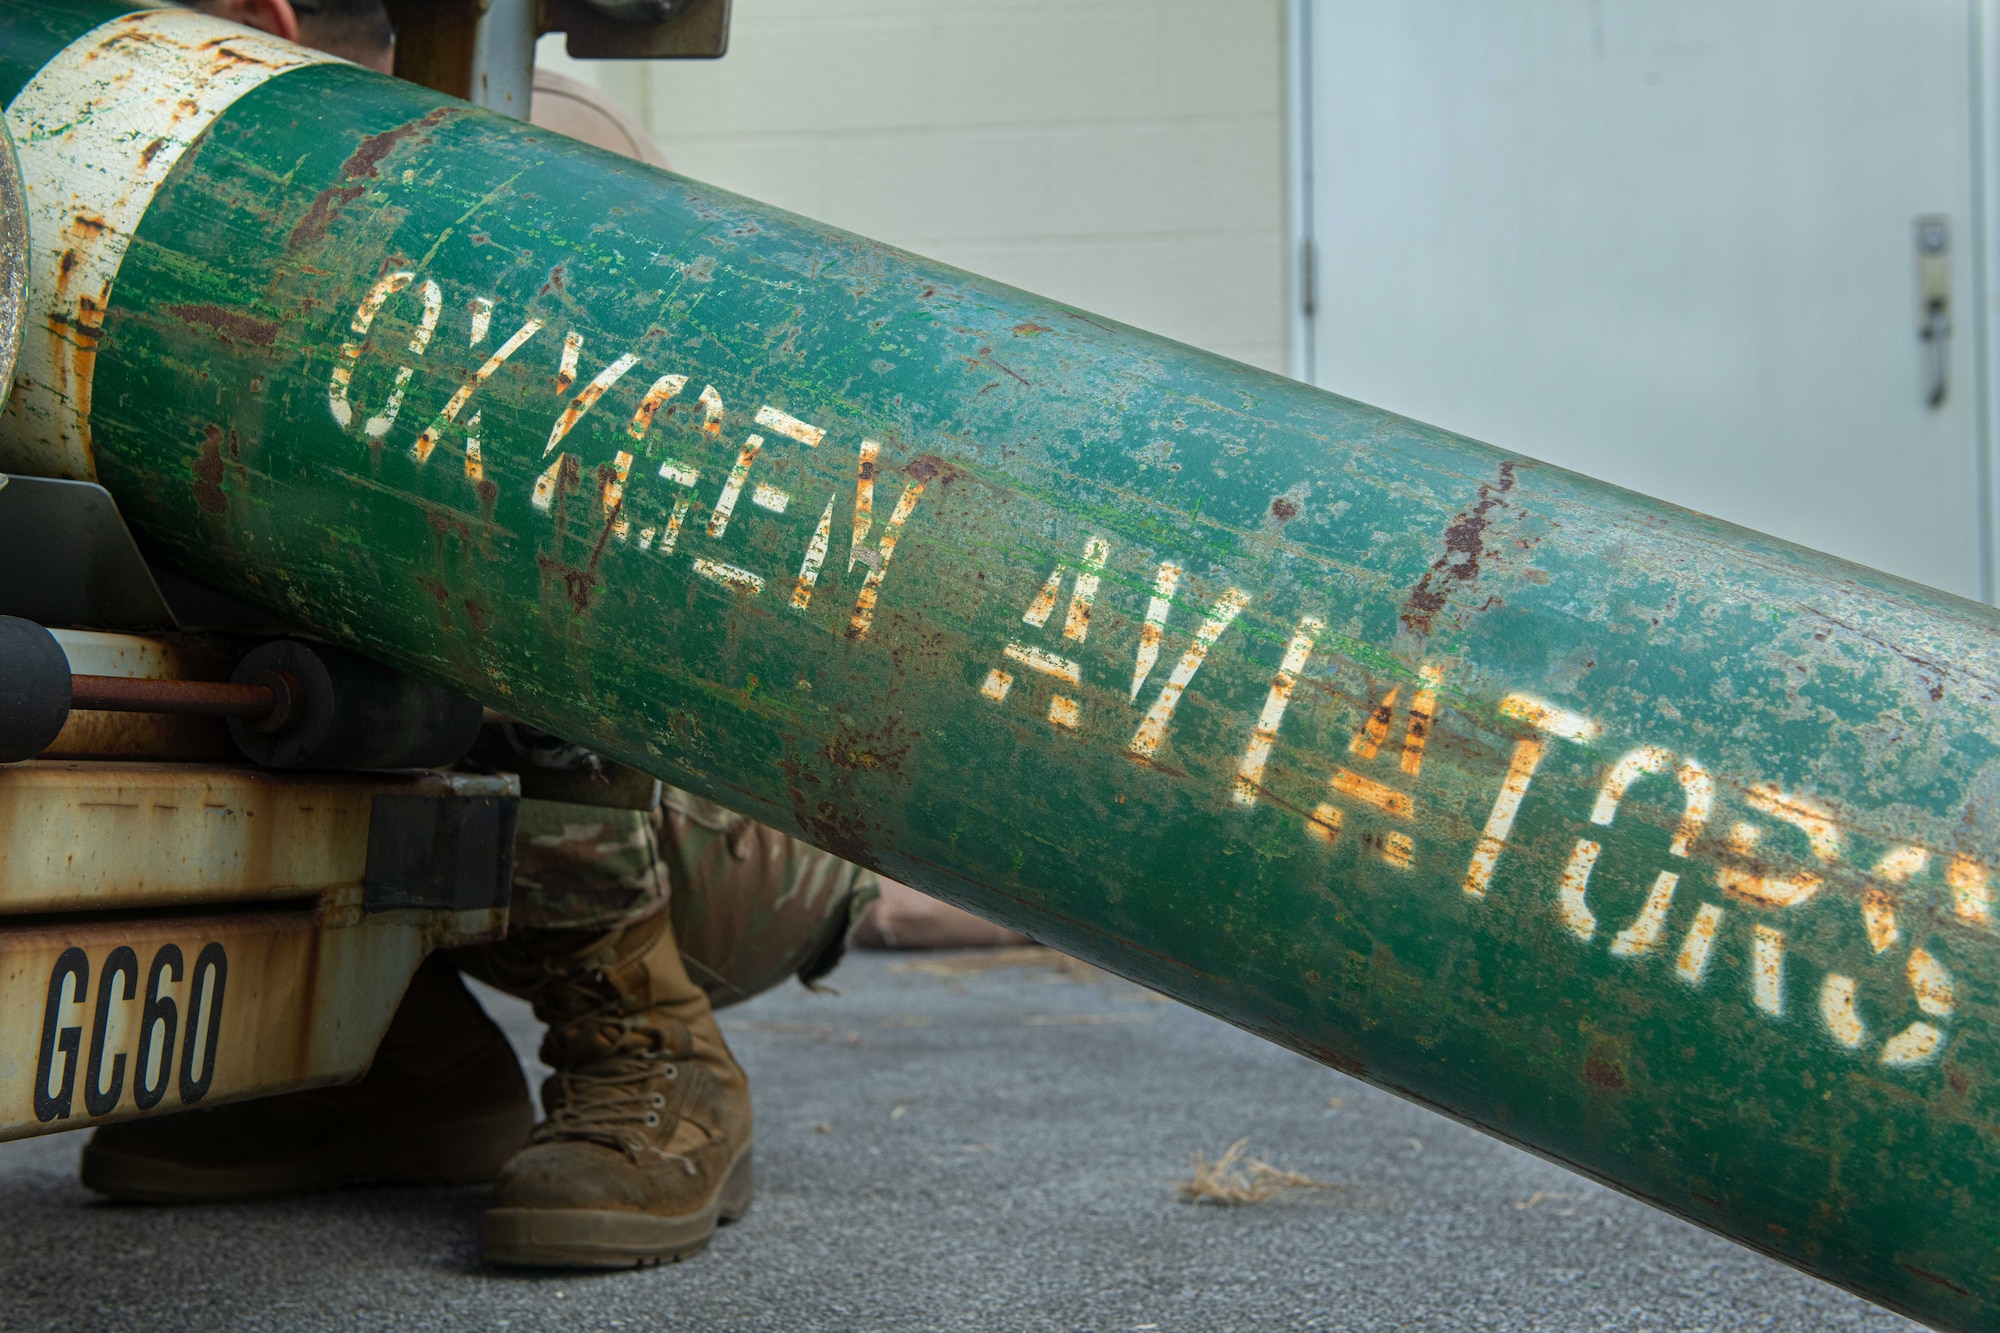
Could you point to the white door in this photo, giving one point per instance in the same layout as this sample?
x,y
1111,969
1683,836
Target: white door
x,y
1669,243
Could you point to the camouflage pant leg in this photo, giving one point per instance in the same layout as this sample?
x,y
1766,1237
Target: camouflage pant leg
x,y
752,906
586,867
749,905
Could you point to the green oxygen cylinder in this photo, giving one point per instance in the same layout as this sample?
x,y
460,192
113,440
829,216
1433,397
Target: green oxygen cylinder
x,y
1659,847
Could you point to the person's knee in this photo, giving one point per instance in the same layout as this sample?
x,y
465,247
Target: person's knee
x,y
753,907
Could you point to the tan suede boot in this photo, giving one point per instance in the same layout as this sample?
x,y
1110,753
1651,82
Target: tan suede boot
x,y
646,1149
443,1103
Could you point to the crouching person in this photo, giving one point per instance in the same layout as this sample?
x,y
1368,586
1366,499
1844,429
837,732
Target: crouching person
x,y
629,928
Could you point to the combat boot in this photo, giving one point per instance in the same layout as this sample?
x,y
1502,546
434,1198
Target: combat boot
x,y
646,1148
443,1103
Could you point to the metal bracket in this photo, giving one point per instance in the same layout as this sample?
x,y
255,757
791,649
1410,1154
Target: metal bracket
x,y
484,50
445,853
604,29
480,50
69,559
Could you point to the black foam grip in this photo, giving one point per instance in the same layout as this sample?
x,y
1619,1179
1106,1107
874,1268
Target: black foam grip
x,y
34,689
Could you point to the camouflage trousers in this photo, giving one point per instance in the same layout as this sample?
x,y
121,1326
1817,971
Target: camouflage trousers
x,y
748,906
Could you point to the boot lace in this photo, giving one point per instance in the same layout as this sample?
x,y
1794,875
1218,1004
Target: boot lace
x,y
617,1102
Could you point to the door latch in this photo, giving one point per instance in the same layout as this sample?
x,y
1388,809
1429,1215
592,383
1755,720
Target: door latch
x,y
1934,304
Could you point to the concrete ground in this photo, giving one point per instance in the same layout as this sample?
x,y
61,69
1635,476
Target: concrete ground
x,y
946,1147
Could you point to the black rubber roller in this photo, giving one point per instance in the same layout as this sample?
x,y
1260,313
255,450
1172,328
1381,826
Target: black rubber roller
x,y
34,689
351,713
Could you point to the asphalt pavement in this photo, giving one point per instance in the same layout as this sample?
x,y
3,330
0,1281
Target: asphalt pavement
x,y
946,1146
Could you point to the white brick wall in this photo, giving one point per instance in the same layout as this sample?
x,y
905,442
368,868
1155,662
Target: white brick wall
x,y
1124,156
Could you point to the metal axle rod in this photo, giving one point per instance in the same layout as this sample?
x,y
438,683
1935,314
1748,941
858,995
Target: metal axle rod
x,y
197,698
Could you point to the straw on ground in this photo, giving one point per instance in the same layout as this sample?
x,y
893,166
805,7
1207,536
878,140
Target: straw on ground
x,y
1233,1179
